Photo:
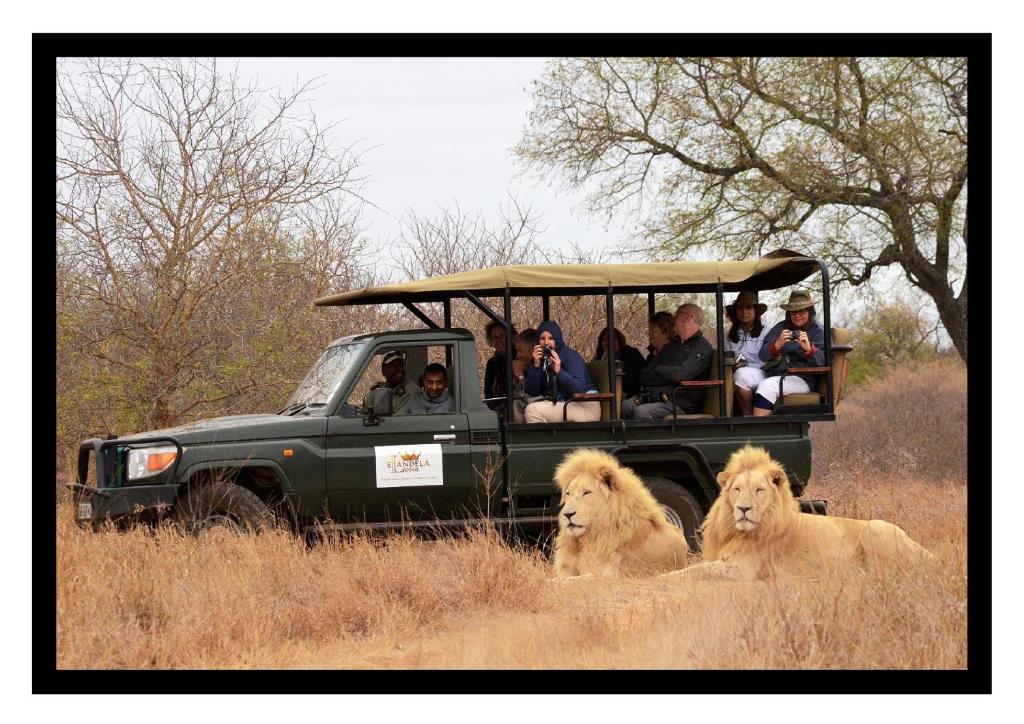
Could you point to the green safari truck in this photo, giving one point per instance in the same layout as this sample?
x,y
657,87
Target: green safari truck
x,y
339,455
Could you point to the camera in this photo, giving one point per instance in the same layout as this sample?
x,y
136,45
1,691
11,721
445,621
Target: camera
x,y
545,352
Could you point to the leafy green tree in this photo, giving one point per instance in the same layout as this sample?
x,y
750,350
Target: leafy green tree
x,y
862,162
888,335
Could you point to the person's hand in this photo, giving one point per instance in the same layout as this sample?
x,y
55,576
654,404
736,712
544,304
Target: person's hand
x,y
556,361
536,355
785,336
805,342
518,367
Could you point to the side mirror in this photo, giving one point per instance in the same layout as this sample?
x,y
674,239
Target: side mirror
x,y
377,403
383,398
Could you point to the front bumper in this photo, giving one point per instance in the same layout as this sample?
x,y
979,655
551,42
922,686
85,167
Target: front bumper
x,y
94,506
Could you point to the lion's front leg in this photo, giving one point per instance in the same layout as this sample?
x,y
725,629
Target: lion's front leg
x,y
565,568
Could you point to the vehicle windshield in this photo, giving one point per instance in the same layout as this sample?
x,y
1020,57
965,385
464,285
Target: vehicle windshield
x,y
326,376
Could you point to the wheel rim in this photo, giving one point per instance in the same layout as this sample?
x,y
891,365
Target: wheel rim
x,y
672,517
219,520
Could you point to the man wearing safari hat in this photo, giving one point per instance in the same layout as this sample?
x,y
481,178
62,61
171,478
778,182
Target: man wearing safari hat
x,y
392,366
744,339
797,341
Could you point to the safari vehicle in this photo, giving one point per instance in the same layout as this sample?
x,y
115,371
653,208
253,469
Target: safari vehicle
x,y
336,456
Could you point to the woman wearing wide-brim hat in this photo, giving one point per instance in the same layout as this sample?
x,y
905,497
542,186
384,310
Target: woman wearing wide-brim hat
x,y
744,339
799,340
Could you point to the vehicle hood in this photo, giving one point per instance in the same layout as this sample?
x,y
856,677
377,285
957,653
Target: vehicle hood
x,y
235,427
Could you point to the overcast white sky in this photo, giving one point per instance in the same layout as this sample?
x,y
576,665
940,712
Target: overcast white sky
x,y
436,131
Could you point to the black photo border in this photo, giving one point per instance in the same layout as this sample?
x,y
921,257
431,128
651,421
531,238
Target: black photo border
x,y
976,678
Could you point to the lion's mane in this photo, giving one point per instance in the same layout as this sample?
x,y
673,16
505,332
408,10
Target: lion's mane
x,y
719,528
628,522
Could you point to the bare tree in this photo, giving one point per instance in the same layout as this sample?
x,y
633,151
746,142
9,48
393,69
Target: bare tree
x,y
862,162
190,208
454,241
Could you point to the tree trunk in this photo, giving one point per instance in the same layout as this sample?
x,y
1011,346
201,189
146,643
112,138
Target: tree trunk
x,y
953,313
930,279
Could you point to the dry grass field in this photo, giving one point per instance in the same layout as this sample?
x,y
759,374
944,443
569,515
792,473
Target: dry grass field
x,y
897,452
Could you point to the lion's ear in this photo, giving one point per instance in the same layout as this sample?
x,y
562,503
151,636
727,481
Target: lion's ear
x,y
778,476
723,479
608,478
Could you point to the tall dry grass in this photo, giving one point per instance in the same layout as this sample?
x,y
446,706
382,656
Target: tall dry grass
x,y
164,600
911,422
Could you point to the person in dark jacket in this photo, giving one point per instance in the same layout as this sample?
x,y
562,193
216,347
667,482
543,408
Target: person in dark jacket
x,y
675,362
800,341
494,372
632,360
558,374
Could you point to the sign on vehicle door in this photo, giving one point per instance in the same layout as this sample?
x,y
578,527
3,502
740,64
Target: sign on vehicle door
x,y
402,466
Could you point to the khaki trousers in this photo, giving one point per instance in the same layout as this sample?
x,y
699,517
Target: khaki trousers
x,y
544,411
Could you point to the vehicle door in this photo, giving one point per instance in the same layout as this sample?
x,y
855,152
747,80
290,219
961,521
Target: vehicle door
x,y
400,466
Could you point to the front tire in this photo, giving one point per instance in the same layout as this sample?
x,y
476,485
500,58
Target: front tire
x,y
680,507
221,504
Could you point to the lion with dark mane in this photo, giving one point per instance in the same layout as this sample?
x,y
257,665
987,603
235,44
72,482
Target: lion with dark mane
x,y
610,524
755,529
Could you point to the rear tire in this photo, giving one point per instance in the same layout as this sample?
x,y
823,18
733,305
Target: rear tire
x,y
222,504
681,508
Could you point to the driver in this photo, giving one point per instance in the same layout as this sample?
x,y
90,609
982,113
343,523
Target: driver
x,y
393,368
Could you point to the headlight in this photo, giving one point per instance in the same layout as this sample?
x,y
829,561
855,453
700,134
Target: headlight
x,y
150,460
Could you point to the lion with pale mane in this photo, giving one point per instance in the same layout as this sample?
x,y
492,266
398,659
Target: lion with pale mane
x,y
755,529
610,524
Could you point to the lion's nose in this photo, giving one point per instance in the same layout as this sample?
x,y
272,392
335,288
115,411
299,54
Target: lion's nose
x,y
743,509
569,514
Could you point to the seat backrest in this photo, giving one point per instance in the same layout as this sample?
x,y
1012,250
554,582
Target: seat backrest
x,y
599,374
452,371
840,365
840,348
711,394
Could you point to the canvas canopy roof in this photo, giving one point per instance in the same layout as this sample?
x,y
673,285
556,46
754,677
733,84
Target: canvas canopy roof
x,y
779,269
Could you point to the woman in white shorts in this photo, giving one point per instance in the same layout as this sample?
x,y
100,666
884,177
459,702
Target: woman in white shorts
x,y
800,340
745,338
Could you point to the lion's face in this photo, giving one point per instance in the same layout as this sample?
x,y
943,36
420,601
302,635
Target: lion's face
x,y
583,502
750,495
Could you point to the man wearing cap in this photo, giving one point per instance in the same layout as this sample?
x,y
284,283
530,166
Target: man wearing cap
x,y
744,339
799,341
393,369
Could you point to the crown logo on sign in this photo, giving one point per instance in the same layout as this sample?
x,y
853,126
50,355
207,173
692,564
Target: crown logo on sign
x,y
409,457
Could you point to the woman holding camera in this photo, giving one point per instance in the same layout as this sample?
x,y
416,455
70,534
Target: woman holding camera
x,y
797,341
744,340
558,372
